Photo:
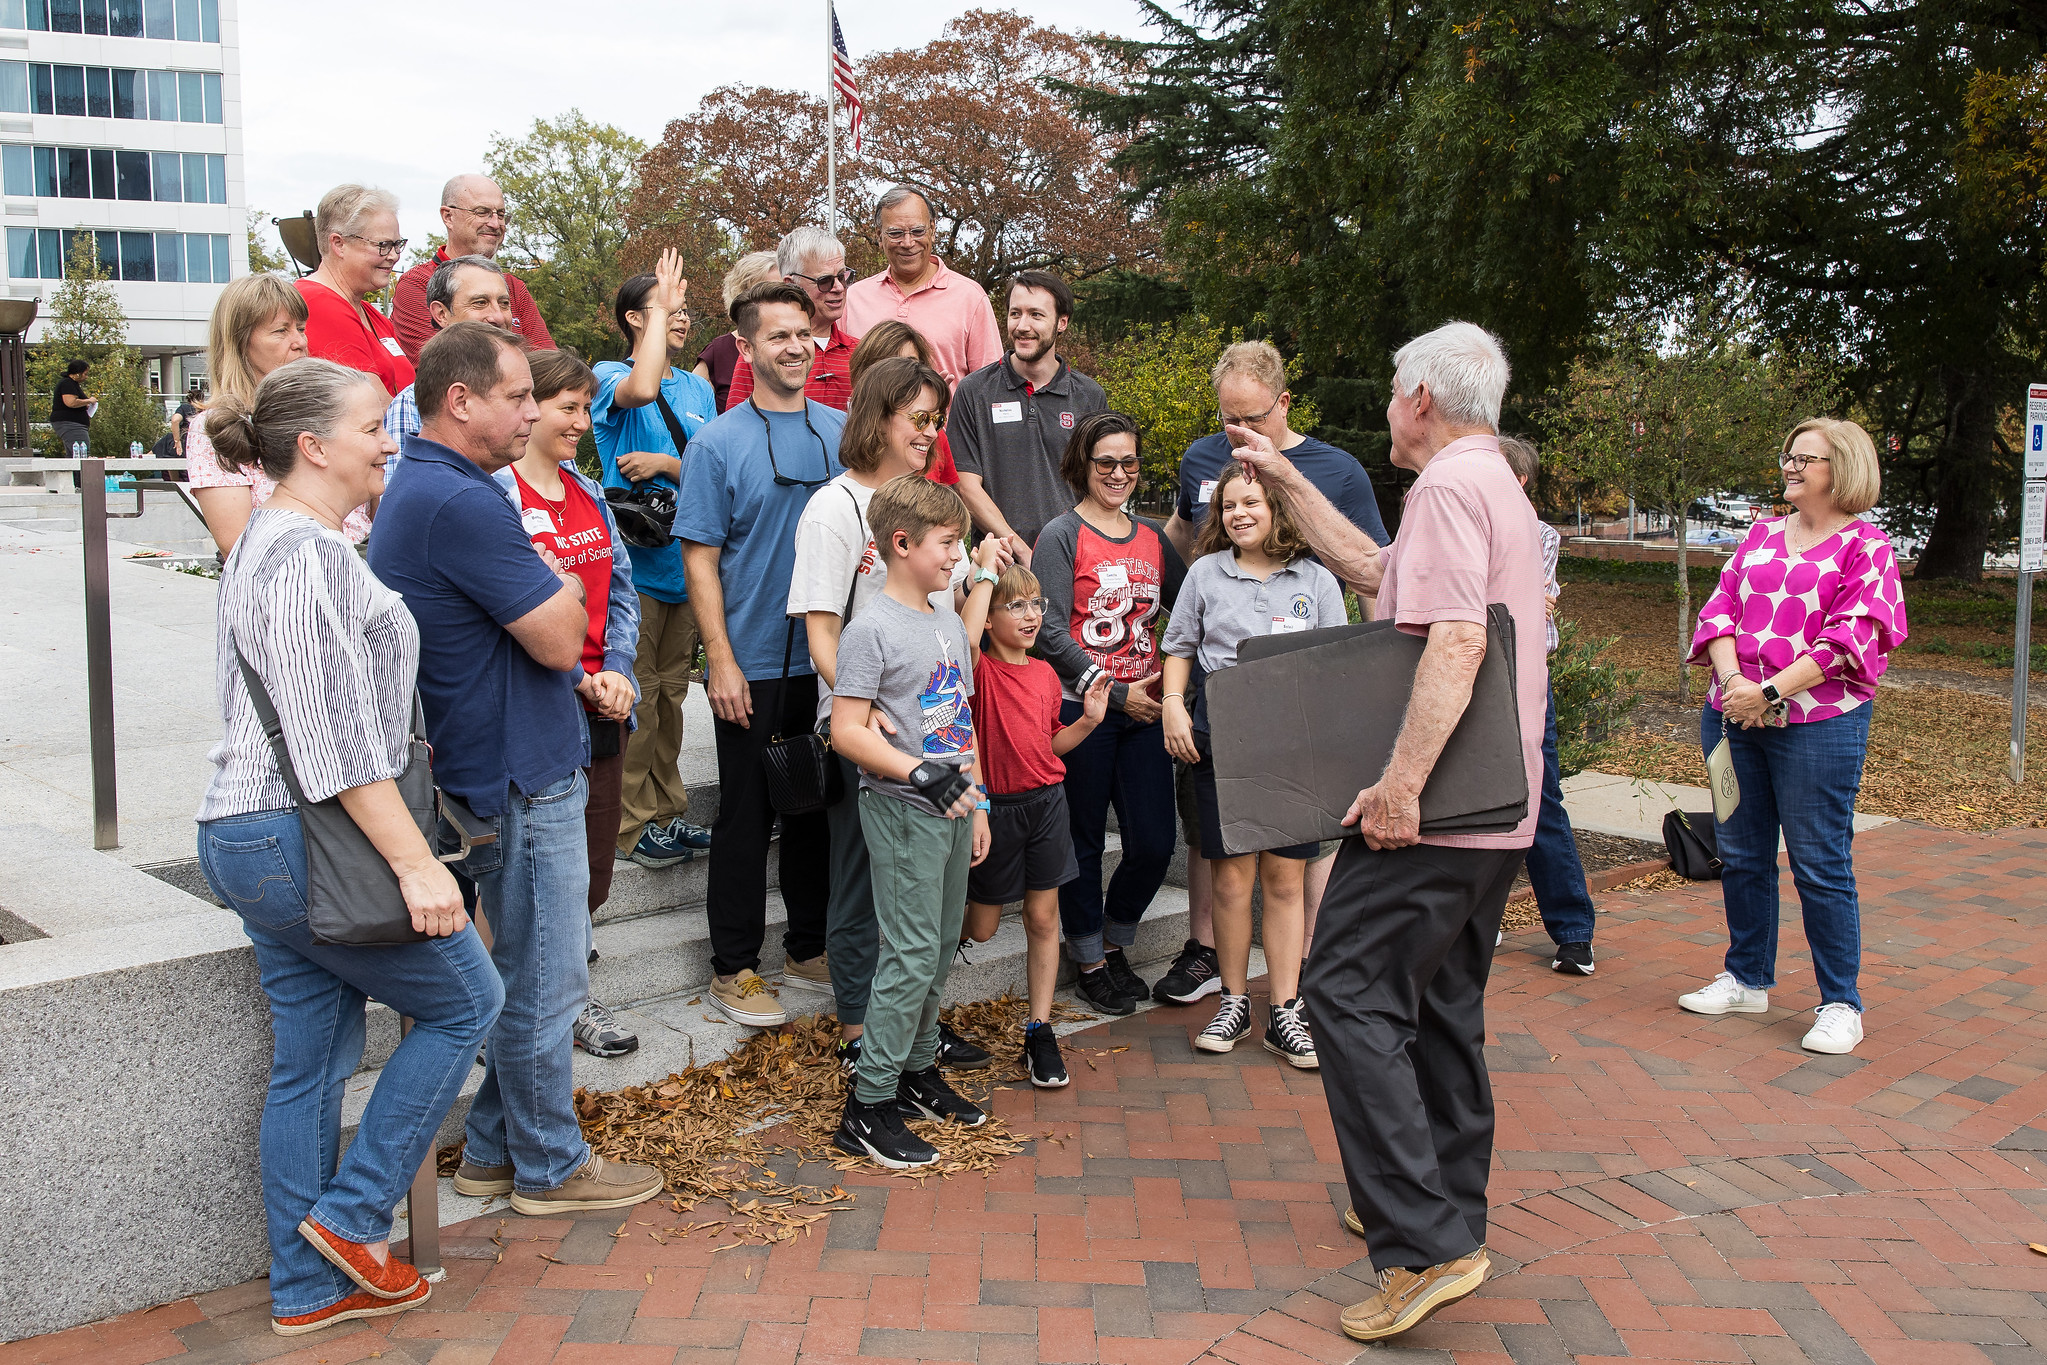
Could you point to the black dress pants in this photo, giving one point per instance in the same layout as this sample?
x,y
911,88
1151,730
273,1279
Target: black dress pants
x,y
737,900
1396,989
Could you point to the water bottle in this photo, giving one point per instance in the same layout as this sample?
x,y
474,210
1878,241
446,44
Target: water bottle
x,y
135,450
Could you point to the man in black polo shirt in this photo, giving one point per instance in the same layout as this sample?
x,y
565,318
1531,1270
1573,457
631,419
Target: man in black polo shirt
x,y
1010,421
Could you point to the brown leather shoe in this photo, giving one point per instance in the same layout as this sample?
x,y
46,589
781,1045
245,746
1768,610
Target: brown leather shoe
x,y
601,1184
1350,1221
479,1182
1407,1300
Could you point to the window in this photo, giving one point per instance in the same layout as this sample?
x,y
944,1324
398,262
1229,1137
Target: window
x,y
98,173
124,18
51,246
70,83
46,172
170,258
131,174
102,172
216,178
111,92
159,18
169,179
14,87
18,169
96,16
210,81
67,16
191,97
21,253
39,89
194,21
131,100
197,258
99,100
163,95
74,173
218,240
138,255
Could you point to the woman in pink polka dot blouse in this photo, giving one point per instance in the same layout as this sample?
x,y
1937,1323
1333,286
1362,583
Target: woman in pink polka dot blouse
x,y
1798,632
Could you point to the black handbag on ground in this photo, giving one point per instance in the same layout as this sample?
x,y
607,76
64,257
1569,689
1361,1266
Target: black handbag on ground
x,y
352,897
1694,845
802,775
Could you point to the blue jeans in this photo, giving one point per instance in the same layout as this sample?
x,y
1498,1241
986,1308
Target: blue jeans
x,y
1553,867
535,886
1801,779
1126,764
256,864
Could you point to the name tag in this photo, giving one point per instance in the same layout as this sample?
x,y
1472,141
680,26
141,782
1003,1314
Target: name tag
x,y
1005,412
536,522
1756,557
1207,491
391,345
1287,625
1112,576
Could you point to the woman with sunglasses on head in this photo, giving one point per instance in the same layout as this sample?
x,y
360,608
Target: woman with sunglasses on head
x,y
357,229
1106,573
1798,633
897,412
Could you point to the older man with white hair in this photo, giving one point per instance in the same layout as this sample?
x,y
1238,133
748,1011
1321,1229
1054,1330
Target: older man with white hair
x,y
1396,982
813,258
473,212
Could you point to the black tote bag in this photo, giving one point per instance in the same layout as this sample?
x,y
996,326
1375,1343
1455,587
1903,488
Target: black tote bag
x,y
1693,841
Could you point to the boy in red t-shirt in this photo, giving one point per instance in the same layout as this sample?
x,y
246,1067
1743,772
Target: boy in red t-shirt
x,y
1030,851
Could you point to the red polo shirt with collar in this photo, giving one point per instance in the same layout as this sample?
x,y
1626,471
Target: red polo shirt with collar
x,y
415,326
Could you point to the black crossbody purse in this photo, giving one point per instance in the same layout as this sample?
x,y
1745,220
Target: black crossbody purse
x,y
801,772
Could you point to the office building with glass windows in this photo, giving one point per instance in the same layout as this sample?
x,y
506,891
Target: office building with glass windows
x,y
121,119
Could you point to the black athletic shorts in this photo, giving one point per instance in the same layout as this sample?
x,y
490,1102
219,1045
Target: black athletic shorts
x,y
1030,847
1211,816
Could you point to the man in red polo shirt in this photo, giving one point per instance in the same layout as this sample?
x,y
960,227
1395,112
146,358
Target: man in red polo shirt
x,y
473,211
813,258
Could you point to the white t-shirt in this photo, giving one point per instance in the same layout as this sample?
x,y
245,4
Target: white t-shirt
x,y
836,554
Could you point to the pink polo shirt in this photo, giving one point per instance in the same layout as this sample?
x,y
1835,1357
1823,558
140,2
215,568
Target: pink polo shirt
x,y
951,312
1469,537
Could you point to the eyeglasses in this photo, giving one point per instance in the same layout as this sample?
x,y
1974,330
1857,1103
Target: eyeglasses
x,y
1795,464
390,246
484,215
915,234
1027,606
921,419
824,283
1106,465
823,451
1250,421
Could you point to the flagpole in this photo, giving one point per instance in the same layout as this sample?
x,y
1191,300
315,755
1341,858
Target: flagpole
x,y
831,136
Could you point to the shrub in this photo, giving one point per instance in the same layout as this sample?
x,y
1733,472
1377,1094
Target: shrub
x,y
1593,696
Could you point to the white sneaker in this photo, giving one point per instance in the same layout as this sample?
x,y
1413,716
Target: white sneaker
x,y
1837,1030
1725,995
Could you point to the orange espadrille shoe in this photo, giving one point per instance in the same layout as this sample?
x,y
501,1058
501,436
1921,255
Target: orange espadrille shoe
x,y
391,1280
357,1305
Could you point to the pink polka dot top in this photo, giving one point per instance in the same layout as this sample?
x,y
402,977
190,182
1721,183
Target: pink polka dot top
x,y
1839,602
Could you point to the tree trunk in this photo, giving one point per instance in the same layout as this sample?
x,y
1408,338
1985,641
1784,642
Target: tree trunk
x,y
1965,481
1684,607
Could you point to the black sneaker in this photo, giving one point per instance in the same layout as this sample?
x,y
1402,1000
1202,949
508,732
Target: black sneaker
x,y
1573,959
1047,1069
1127,981
848,1053
1099,989
956,1052
1288,1036
1231,1025
925,1095
876,1130
1193,974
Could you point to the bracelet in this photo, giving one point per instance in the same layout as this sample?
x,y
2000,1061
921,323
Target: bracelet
x,y
1173,696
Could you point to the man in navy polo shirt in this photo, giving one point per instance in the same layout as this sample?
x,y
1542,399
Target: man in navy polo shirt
x,y
501,632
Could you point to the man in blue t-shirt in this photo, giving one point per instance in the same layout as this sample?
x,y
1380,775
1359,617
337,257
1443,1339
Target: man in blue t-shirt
x,y
1251,394
501,632
630,418
749,475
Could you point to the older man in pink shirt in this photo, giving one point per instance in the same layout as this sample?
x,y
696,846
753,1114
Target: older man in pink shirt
x,y
950,310
1404,941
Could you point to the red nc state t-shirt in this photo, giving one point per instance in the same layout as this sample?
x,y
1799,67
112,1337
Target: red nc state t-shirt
x,y
1116,591
572,530
1016,713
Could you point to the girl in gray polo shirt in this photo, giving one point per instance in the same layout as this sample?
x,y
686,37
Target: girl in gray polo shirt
x,y
1255,577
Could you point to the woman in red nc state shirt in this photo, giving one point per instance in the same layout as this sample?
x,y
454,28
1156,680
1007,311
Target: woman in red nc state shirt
x,y
357,227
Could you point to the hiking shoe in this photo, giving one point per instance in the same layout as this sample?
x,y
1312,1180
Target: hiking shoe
x,y
1837,1030
1573,959
482,1182
1127,981
925,1095
1288,1036
1406,1299
1099,989
681,832
748,1000
877,1131
1724,995
390,1280
959,1054
1193,974
601,1184
1231,1025
815,972
656,849
360,1304
848,1054
1042,1062
599,1033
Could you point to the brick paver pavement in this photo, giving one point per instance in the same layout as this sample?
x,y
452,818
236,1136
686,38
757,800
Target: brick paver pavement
x,y
1667,1188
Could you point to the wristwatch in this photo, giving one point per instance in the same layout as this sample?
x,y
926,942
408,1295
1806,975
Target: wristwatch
x,y
1771,694
982,574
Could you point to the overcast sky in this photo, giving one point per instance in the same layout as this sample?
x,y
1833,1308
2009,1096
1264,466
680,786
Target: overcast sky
x,y
395,93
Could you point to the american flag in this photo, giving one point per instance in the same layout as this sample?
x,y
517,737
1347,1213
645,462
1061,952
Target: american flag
x,y
843,83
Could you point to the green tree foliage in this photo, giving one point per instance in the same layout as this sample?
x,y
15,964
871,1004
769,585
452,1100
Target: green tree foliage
x,y
85,322
567,186
1673,413
1593,695
262,256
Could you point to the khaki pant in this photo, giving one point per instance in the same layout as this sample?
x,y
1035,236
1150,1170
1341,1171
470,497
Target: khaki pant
x,y
653,781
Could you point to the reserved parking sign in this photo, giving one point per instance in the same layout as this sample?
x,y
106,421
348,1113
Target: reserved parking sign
x,y
2036,432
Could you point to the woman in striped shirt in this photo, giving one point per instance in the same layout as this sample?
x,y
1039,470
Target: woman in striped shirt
x,y
337,652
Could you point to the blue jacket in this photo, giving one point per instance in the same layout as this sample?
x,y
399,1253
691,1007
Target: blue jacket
x,y
622,609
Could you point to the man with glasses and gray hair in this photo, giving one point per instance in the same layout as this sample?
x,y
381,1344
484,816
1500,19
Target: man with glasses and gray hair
x,y
1396,981
950,311
814,259
473,211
